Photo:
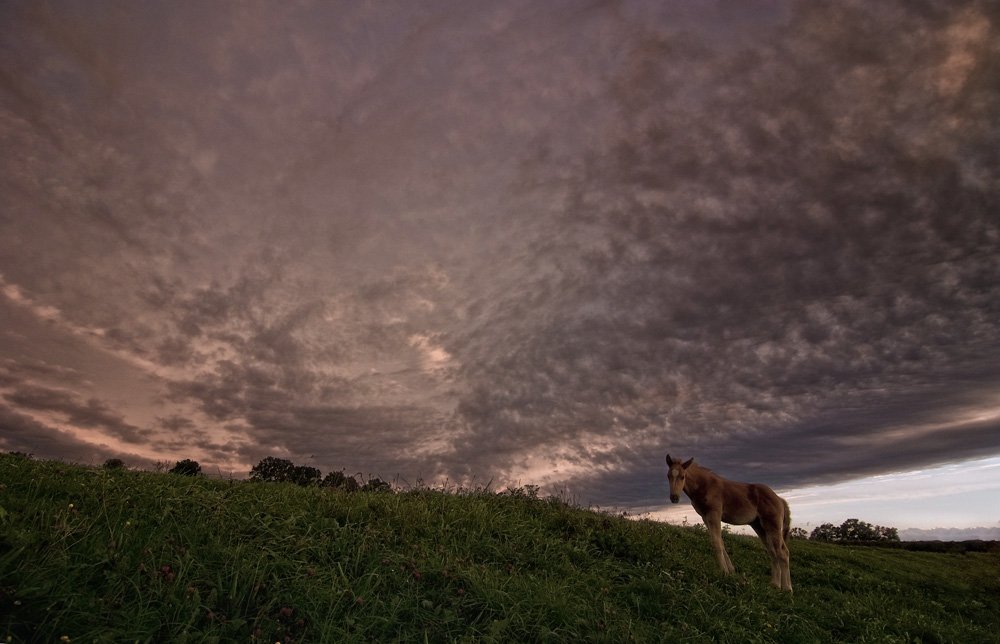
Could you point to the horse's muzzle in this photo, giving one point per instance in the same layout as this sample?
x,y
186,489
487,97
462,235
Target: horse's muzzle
x,y
674,498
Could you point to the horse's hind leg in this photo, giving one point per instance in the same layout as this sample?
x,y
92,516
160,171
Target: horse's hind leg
x,y
758,527
714,524
786,568
778,550
769,545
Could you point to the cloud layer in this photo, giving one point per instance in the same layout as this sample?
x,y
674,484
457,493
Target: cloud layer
x,y
521,242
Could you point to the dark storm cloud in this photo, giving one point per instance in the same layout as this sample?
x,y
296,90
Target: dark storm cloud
x,y
90,413
21,433
743,260
273,411
16,371
517,240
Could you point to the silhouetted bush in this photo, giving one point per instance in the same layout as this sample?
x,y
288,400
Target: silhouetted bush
x,y
114,464
274,469
376,485
340,481
187,467
305,475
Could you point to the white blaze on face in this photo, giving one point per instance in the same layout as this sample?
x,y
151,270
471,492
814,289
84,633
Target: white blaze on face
x,y
675,477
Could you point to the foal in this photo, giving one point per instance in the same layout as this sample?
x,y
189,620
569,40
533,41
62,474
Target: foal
x,y
717,499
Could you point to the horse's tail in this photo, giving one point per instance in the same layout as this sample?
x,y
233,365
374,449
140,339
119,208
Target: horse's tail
x,y
788,521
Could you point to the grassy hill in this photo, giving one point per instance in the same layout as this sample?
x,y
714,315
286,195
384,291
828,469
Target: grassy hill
x,y
95,555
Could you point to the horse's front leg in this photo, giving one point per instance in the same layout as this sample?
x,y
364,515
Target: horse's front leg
x,y
713,521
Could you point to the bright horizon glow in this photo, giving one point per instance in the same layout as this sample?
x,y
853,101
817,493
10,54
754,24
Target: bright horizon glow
x,y
957,495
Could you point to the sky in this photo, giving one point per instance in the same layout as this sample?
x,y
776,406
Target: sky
x,y
502,243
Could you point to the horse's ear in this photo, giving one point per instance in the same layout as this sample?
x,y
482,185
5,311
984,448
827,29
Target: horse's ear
x,y
670,461
686,464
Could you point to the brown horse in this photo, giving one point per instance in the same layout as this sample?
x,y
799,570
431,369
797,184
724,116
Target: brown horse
x,y
717,499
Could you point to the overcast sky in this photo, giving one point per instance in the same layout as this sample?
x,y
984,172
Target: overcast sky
x,y
535,242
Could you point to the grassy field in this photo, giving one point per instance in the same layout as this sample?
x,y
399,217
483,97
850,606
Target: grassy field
x,y
92,555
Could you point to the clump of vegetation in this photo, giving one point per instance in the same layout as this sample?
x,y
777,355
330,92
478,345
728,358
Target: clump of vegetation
x,y
854,531
96,556
305,475
340,481
187,467
375,484
273,469
279,470
114,464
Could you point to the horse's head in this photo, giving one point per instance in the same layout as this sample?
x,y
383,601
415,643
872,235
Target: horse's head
x,y
676,475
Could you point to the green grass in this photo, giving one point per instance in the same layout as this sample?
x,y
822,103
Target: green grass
x,y
116,556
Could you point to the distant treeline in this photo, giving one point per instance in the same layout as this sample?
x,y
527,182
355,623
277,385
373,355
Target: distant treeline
x,y
854,531
858,533
947,547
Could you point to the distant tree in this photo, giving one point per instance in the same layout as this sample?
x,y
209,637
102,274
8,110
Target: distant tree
x,y
333,479
798,533
887,534
24,455
376,485
825,532
351,484
305,475
272,468
114,464
854,531
187,467
340,481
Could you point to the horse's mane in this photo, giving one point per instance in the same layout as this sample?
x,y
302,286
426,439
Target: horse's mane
x,y
703,468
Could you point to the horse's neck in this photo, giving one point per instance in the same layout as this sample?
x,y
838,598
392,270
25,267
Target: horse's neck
x,y
698,481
